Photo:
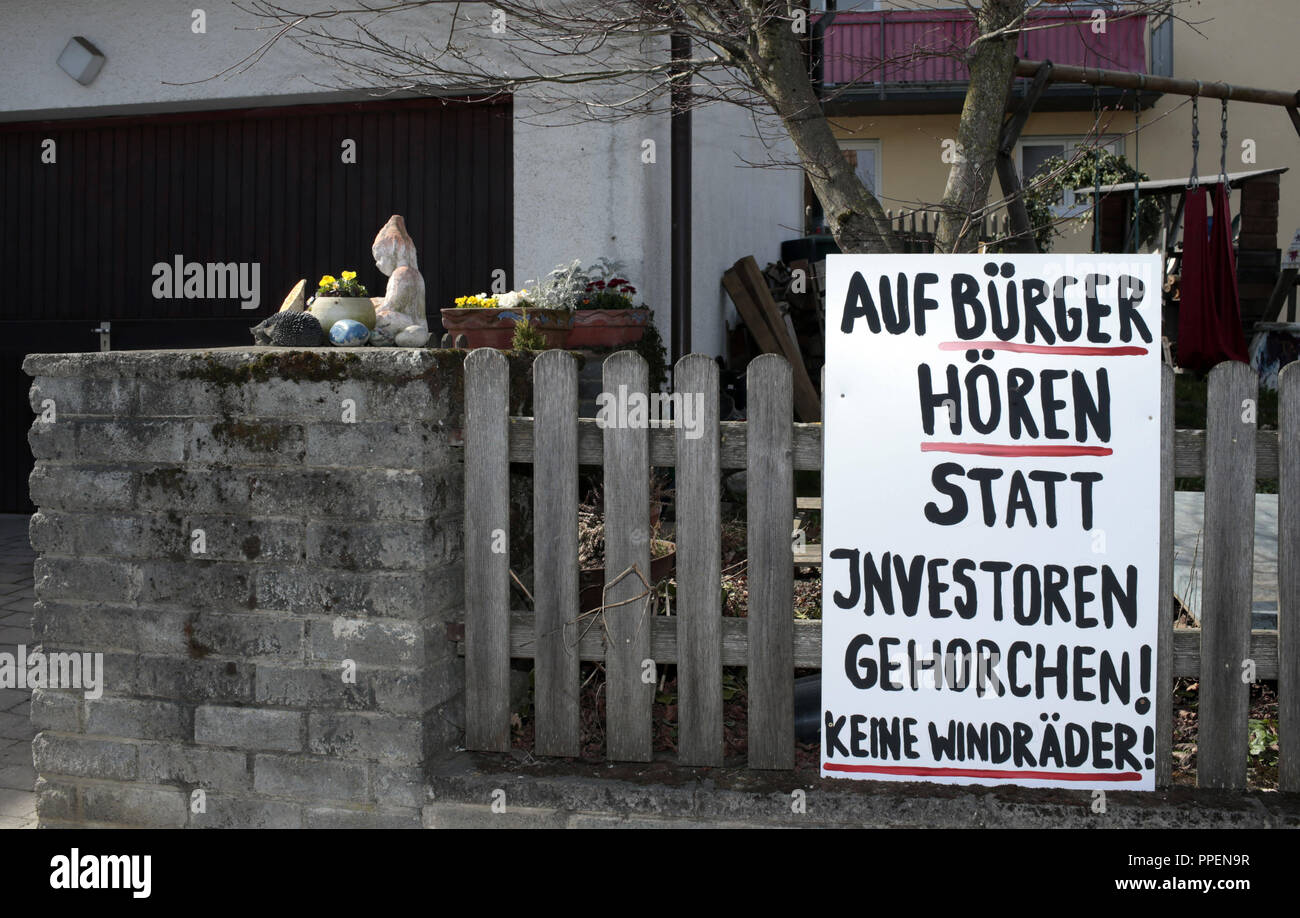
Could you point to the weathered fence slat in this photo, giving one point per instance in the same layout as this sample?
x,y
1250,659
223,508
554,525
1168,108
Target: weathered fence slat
x,y
1288,570
487,571
629,695
1189,447
1231,453
808,645
770,507
699,568
1164,684
555,553
1222,733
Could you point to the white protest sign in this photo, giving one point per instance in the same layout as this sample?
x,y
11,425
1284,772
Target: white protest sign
x,y
990,523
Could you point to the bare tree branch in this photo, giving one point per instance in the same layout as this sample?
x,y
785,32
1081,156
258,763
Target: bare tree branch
x,y
608,60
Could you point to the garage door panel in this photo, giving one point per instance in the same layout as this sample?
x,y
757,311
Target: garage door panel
x,y
79,238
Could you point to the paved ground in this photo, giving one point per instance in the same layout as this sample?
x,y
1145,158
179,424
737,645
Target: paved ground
x,y
17,801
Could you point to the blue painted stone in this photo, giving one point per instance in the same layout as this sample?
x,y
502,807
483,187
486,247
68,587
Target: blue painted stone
x,y
349,333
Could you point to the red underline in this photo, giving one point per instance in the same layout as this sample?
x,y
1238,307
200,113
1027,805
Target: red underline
x,y
922,771
996,449
1077,350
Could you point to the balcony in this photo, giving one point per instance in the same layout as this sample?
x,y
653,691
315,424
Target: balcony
x,y
911,62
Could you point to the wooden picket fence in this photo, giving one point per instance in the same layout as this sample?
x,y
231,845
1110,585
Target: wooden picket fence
x,y
1231,453
915,229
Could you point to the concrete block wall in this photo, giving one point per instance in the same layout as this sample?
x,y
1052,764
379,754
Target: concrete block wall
x,y
328,492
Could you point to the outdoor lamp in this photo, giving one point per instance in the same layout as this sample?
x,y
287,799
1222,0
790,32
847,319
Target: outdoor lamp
x,y
81,60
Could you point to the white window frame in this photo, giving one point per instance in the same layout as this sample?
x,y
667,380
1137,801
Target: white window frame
x,y
862,144
1070,207
875,147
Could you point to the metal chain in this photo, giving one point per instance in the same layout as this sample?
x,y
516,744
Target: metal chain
x,y
1223,140
1193,181
1096,168
1137,164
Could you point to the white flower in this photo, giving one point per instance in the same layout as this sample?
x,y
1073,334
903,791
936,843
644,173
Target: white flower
x,y
510,300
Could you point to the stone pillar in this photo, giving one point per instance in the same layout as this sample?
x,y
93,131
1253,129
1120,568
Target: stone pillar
x,y
264,545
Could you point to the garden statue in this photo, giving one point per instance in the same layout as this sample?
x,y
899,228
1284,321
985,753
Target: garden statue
x,y
399,319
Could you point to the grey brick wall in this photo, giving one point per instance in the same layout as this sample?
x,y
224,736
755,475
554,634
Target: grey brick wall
x,y
332,547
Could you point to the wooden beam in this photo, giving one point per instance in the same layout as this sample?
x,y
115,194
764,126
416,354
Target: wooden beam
x,y
1008,175
1286,281
806,401
1189,447
808,644
1124,79
1016,123
1295,117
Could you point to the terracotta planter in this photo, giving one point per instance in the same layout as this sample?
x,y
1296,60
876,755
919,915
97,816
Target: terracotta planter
x,y
591,580
607,327
496,327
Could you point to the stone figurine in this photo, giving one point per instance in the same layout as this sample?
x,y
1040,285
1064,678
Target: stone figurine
x,y
296,301
400,319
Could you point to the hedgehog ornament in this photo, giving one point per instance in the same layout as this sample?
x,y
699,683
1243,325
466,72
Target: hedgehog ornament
x,y
289,329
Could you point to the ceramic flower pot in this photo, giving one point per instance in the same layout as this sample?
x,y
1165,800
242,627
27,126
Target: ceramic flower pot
x,y
496,327
330,309
607,327
591,580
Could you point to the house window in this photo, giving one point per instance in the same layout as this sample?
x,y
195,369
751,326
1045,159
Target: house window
x,y
1033,152
865,157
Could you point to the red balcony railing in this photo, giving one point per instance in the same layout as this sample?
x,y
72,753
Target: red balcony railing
x,y
897,46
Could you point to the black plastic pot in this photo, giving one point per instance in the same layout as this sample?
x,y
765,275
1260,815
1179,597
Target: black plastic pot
x,y
808,708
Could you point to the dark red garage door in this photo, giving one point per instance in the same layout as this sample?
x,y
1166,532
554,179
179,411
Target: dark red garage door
x,y
79,237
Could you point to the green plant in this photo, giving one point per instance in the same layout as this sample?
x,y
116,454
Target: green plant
x,y
607,288
343,285
526,337
1047,188
1263,740
652,350
731,686
562,288
605,299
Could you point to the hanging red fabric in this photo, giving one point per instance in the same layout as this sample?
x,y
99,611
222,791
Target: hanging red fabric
x,y
1209,311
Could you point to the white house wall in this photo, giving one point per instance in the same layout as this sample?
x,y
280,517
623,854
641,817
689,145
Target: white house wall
x,y
739,207
583,191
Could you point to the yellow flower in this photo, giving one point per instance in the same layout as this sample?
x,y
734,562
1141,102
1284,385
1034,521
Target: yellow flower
x,y
349,275
328,280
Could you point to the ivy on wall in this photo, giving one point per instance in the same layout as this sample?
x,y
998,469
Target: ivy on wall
x,y
1085,170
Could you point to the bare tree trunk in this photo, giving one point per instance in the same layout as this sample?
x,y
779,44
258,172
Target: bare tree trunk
x,y
853,214
991,64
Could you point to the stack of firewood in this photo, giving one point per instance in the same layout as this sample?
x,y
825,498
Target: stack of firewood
x,y
799,296
769,302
